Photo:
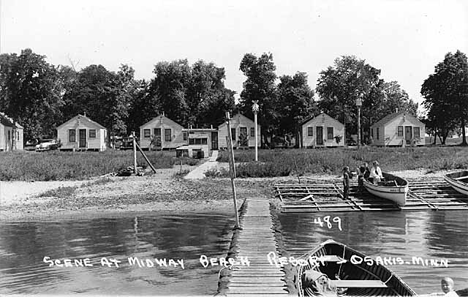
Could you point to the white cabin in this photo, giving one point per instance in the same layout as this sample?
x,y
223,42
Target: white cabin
x,y
322,131
161,133
82,133
11,134
398,129
242,132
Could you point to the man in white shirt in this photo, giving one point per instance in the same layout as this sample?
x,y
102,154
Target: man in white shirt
x,y
376,173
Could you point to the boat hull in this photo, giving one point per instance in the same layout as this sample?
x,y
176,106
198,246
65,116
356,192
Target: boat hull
x,y
458,181
396,193
355,275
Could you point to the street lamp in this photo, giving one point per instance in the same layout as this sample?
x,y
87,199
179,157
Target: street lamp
x,y
255,109
359,104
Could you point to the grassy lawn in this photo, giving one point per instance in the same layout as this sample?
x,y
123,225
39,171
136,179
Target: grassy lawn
x,y
331,161
55,165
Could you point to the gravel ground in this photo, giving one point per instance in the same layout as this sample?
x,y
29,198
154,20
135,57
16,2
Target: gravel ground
x,y
163,191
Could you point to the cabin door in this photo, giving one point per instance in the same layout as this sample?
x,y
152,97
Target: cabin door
x,y
408,134
214,140
157,140
82,135
319,136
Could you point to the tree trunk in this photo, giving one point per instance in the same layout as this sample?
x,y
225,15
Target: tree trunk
x,y
298,136
463,132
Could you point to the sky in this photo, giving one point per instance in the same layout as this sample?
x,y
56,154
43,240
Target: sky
x,y
404,39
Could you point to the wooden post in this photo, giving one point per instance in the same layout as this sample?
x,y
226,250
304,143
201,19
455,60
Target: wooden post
x,y
232,168
144,156
135,170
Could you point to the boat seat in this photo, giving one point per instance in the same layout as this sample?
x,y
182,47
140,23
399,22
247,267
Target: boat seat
x,y
332,258
359,283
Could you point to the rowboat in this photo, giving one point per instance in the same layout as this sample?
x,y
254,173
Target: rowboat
x,y
347,272
393,188
459,181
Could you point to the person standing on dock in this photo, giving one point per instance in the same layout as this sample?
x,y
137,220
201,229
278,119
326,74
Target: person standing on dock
x,y
346,182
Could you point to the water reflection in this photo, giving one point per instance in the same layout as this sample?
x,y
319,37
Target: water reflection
x,y
426,234
24,244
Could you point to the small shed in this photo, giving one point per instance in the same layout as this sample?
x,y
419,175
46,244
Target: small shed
x,y
161,133
242,132
11,134
199,140
82,133
322,131
398,129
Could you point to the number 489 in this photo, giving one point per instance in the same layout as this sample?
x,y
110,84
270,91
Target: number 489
x,y
326,220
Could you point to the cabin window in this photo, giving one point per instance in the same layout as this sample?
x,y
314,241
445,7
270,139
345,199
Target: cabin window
x,y
198,140
377,133
146,133
329,132
167,135
233,134
400,131
92,133
252,132
372,132
310,131
9,136
72,135
17,135
185,135
417,132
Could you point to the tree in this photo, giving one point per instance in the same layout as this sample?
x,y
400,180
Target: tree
x,y
446,93
260,85
190,95
143,106
30,92
295,103
102,95
349,79
169,86
208,98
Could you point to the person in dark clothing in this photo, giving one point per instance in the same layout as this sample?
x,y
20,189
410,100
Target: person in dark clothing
x,y
363,173
346,176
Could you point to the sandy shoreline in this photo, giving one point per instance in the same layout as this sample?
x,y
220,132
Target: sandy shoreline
x,y
160,192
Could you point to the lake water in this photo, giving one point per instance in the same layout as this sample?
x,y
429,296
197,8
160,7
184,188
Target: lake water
x,y
436,235
23,246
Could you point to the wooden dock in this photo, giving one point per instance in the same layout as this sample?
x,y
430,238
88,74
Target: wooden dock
x,y
327,196
255,241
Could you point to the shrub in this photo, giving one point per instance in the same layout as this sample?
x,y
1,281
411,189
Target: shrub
x,y
332,160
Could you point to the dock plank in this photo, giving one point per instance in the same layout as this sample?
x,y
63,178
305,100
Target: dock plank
x,y
255,241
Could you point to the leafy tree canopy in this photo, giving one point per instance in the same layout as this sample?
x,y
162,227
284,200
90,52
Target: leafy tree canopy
x,y
446,95
29,92
350,78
